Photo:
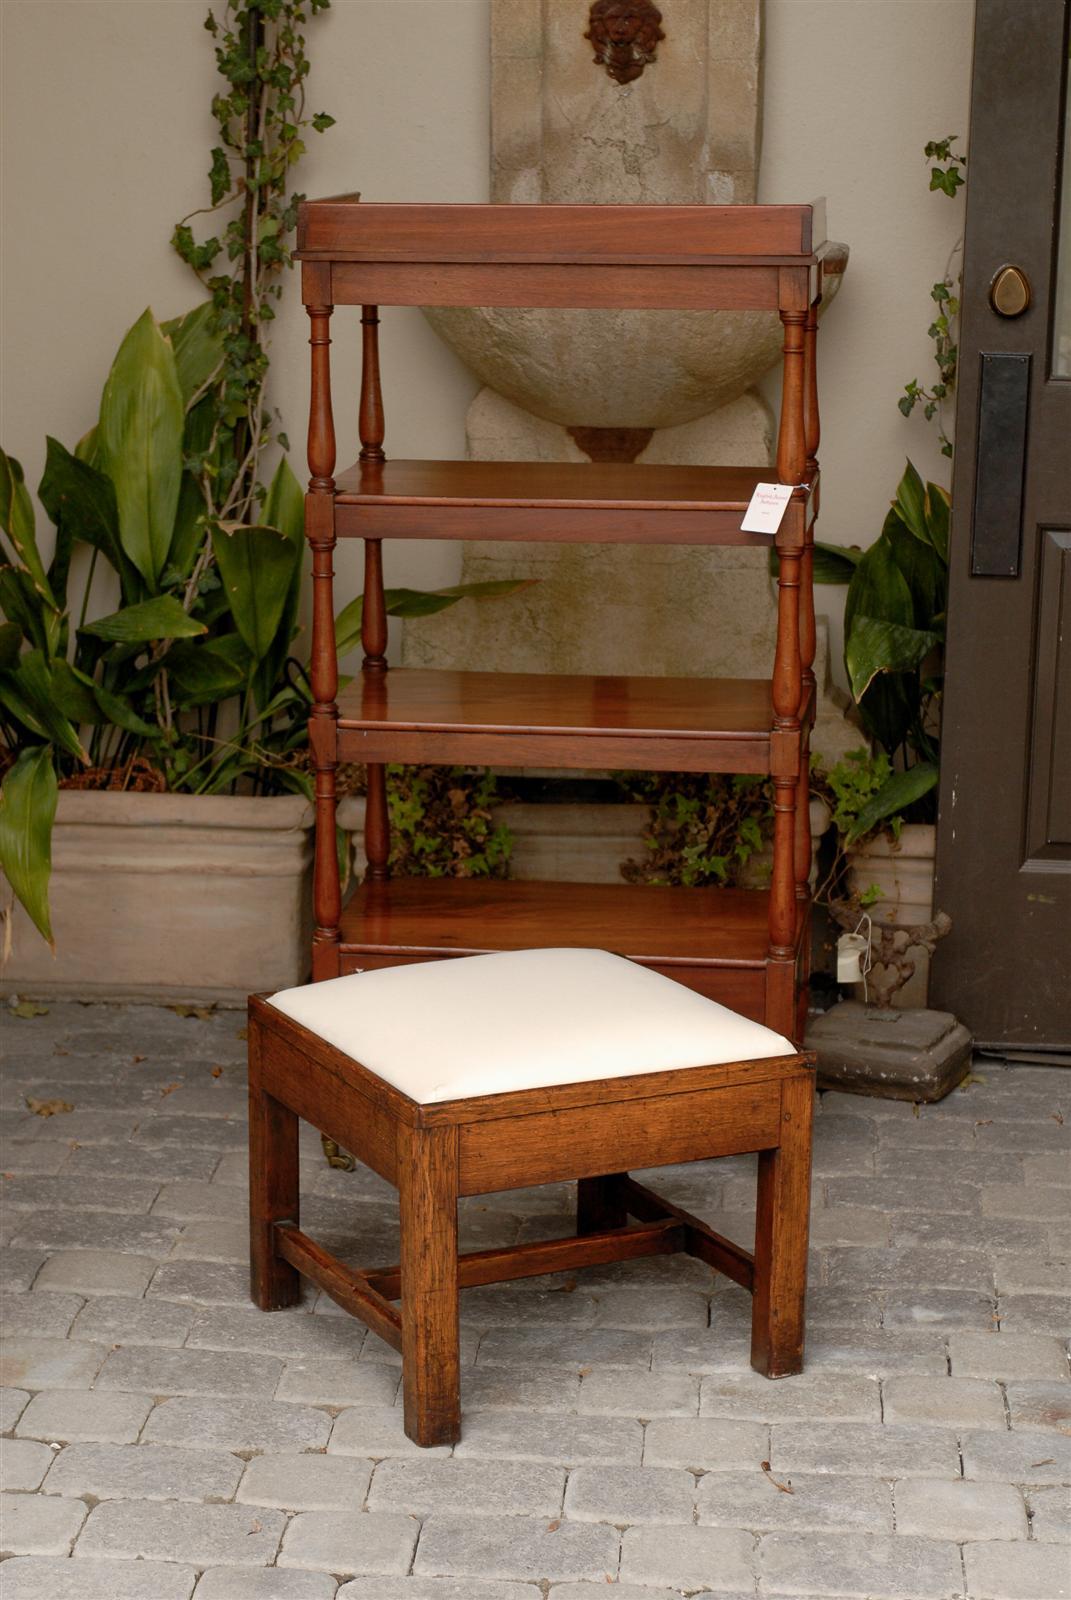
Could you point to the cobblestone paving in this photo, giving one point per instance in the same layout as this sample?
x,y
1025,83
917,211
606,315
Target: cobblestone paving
x,y
164,1439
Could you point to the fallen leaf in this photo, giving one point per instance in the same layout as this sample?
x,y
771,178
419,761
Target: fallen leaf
x,y
201,1012
27,1008
972,1077
134,1060
552,1527
569,1287
243,1033
169,1088
58,1052
48,1108
1048,1462
258,1526
785,1488
915,1112
217,1072
1057,1117
985,1122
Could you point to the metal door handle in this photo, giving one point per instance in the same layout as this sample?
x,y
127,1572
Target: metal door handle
x,y
1009,292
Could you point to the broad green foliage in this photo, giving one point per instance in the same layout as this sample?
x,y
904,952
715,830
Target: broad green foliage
x,y
27,811
894,630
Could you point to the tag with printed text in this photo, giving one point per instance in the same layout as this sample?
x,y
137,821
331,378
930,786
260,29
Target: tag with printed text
x,y
767,508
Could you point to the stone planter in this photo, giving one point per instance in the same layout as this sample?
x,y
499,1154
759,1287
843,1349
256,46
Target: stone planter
x,y
567,843
173,897
903,871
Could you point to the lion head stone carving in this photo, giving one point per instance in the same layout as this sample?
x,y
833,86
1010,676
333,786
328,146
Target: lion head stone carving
x,y
625,35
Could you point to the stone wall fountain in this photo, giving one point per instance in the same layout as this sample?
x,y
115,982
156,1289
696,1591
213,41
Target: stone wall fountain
x,y
618,102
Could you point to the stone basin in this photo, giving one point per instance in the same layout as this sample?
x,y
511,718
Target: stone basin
x,y
619,369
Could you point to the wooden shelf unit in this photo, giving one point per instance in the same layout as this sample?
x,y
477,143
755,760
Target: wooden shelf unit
x,y
747,949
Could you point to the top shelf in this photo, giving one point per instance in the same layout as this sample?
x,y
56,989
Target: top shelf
x,y
629,257
343,228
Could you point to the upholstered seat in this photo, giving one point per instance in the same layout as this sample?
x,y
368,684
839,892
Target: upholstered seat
x,y
522,1019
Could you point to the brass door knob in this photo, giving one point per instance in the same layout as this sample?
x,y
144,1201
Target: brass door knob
x,y
1009,293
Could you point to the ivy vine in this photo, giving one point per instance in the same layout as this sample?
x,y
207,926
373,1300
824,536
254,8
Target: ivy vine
x,y
946,175
261,118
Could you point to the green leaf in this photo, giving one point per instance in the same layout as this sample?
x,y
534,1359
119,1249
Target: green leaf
x,y
17,521
875,646
140,443
833,563
160,618
938,518
257,567
10,644
284,508
22,605
198,348
73,692
81,501
204,673
29,692
419,603
27,811
87,447
911,503
898,792
219,175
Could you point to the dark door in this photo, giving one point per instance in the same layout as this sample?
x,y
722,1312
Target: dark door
x,y
1004,834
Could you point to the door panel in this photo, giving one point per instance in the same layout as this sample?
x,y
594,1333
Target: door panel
x,y
1004,833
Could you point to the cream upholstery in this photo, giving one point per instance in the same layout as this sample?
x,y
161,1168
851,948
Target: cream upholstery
x,y
521,1019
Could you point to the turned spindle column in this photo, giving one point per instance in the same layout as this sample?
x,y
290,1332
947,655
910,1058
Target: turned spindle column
x,y
320,531
787,688
808,636
374,612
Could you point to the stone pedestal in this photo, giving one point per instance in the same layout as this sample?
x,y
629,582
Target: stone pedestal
x,y
898,1055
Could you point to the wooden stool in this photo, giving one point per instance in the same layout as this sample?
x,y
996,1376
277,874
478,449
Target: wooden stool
x,y
494,1072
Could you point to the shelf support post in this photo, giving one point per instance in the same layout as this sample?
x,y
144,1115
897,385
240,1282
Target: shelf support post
x,y
320,531
808,643
371,421
788,690
374,667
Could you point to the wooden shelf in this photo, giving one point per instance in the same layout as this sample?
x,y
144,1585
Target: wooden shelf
x,y
576,502
714,940
510,719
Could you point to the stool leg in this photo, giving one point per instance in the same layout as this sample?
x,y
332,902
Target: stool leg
x,y
781,1236
431,1365
273,1188
599,1204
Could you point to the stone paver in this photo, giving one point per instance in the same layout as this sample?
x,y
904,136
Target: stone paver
x,y
248,1583
143,1472
348,1542
87,1272
630,1494
69,1415
205,1535
688,1558
947,1509
943,1402
474,1488
1017,1571
893,1451
238,1425
35,1525
823,1502
516,1547
27,1578
1007,1355
23,1463
50,1363
615,1439
854,1565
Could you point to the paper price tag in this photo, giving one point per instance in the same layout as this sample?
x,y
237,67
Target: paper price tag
x,y
767,508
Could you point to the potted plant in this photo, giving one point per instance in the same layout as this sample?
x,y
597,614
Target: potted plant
x,y
162,744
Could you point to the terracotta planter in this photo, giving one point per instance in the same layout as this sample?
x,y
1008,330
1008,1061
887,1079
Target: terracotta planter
x,y
903,870
173,897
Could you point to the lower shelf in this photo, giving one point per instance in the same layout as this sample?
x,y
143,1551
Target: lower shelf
x,y
713,940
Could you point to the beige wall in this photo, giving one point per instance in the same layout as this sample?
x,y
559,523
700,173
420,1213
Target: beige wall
x,y
105,141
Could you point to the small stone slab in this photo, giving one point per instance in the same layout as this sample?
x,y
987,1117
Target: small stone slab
x,y
896,1055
